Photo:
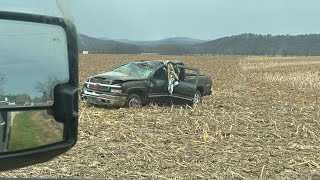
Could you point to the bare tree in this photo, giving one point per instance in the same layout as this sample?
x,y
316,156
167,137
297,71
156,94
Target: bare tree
x,y
46,87
3,79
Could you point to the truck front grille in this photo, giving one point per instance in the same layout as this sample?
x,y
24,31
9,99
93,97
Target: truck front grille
x,y
99,81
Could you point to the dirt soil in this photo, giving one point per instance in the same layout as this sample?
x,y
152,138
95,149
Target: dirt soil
x,y
261,122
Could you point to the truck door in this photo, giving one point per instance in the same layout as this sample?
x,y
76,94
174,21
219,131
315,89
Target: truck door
x,y
187,84
159,84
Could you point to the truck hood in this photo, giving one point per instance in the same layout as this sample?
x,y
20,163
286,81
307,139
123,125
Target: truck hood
x,y
116,76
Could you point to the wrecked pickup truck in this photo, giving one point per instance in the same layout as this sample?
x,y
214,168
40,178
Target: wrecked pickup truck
x,y
139,83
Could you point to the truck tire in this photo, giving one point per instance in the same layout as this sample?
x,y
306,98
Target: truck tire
x,y
133,100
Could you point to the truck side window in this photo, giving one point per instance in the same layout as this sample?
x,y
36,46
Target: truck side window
x,y
182,74
160,74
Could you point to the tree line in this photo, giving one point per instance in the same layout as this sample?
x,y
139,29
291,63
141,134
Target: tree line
x,y
243,44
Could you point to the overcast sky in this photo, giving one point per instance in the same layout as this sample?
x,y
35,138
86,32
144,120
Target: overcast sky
x,y
202,19
31,53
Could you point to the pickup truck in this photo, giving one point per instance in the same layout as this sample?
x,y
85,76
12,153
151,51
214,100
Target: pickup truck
x,y
139,83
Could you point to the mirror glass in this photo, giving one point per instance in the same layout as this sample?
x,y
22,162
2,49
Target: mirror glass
x,y
33,60
20,130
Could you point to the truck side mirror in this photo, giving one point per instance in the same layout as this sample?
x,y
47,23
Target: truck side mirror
x,y
38,88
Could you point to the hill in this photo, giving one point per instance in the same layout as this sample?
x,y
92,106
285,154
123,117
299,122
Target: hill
x,y
167,41
254,44
243,44
96,45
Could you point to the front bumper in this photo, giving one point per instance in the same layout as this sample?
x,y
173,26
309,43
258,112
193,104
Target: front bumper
x,y
108,99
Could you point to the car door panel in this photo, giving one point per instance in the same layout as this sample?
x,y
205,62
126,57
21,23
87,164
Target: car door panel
x,y
184,90
186,87
159,84
158,87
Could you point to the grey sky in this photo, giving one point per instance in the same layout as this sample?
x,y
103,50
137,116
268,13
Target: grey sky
x,y
24,67
203,19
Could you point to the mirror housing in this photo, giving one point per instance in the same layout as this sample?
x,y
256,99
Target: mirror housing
x,y
65,106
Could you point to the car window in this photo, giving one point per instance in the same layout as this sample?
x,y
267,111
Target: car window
x,y
161,74
139,70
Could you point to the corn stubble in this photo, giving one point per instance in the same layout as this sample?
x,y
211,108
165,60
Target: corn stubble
x,y
262,122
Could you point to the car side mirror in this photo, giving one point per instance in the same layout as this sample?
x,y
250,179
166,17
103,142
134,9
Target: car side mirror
x,y
38,88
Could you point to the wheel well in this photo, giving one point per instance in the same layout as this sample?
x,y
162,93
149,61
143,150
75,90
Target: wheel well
x,y
140,93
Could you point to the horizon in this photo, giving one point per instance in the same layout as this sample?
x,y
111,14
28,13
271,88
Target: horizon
x,y
107,38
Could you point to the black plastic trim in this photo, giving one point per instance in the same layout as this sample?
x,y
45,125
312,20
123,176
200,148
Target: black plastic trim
x,y
67,97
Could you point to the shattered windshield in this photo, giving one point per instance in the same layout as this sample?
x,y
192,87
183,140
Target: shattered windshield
x,y
138,70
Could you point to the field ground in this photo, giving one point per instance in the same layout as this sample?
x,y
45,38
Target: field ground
x,y
262,122
32,129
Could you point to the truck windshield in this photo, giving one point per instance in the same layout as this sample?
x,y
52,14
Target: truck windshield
x,y
139,70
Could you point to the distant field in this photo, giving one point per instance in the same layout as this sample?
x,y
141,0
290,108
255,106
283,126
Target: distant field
x,y
262,122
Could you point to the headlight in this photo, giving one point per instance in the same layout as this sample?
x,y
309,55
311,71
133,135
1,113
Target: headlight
x,y
118,91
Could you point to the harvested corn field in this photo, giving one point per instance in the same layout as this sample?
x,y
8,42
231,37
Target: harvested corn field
x,y
261,122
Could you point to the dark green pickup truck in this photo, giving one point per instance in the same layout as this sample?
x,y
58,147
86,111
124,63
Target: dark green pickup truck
x,y
142,82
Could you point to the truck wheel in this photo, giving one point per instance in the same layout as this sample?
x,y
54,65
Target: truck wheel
x,y
133,100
